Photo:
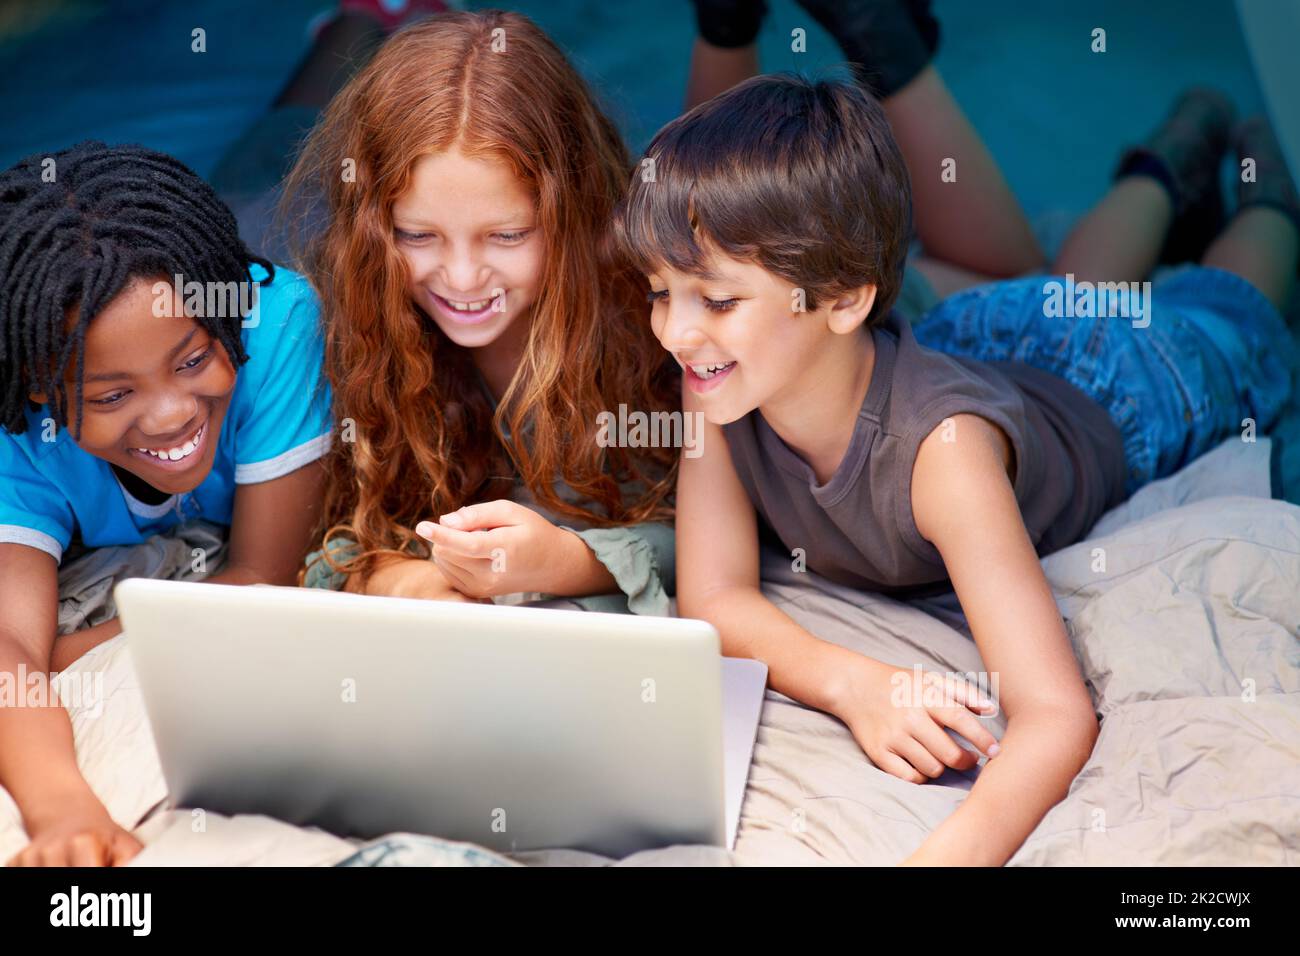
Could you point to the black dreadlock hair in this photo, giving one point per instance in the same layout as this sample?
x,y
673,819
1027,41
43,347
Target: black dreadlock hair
x,y
110,215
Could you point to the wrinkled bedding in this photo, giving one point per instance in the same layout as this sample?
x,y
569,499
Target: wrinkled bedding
x,y
1189,640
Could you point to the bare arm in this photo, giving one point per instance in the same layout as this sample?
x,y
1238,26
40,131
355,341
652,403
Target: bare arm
x,y
271,527
718,578
38,763
963,502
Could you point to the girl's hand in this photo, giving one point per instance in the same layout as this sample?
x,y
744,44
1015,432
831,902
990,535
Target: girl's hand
x,y
409,578
501,547
901,725
81,834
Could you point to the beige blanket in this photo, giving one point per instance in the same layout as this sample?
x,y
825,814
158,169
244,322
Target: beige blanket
x,y
1189,641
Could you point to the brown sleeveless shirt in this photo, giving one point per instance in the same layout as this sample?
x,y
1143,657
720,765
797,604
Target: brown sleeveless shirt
x,y
857,528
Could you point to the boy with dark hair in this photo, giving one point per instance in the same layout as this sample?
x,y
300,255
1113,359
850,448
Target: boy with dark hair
x,y
772,234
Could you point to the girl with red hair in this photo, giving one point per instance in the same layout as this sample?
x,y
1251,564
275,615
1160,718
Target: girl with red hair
x,y
477,327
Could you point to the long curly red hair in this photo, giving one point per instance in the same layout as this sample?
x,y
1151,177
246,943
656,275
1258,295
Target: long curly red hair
x,y
427,440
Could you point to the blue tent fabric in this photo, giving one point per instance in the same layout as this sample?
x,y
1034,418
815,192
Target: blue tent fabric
x,y
128,72
1054,112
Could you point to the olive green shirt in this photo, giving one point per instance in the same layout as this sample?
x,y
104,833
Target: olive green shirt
x,y
641,558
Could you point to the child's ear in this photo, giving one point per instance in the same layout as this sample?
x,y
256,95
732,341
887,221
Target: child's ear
x,y
850,309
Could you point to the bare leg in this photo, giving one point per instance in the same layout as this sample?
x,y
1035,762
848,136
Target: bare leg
x,y
1120,239
1261,245
344,44
716,69
946,279
975,222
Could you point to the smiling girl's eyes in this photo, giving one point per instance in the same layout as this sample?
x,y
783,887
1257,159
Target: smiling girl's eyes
x,y
404,236
188,366
198,359
656,295
512,238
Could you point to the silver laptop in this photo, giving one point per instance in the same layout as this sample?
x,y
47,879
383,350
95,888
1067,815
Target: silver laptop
x,y
515,728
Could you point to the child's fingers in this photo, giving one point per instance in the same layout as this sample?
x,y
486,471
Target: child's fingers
x,y
457,577
473,579
943,748
444,558
486,514
915,753
125,847
463,565
432,531
963,693
896,766
968,725
469,544
88,849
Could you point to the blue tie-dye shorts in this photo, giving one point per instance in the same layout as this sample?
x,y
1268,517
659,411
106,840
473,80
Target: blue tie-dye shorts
x,y
1204,356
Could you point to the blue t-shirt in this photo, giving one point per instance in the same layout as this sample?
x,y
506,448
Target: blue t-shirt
x,y
278,421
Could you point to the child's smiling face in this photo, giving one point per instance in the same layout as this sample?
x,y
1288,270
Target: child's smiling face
x,y
739,335
467,228
154,391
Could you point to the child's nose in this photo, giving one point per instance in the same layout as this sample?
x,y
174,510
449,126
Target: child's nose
x,y
169,414
680,329
462,273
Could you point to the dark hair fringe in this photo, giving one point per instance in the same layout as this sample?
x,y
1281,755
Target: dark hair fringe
x,y
111,214
801,177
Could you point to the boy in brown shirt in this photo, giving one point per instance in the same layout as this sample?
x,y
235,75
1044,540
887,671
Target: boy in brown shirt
x,y
773,235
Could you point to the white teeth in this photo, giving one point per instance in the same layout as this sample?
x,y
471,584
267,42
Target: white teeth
x,y
708,371
177,453
469,306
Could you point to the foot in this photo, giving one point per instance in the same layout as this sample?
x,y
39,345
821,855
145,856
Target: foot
x,y
1184,153
1272,184
889,41
729,24
926,25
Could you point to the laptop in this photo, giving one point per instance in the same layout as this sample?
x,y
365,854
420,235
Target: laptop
x,y
514,728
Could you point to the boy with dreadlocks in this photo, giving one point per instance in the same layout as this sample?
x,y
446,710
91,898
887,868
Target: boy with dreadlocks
x,y
128,406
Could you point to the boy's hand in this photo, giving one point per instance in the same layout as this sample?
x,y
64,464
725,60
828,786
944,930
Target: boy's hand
x,y
500,547
901,725
80,835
